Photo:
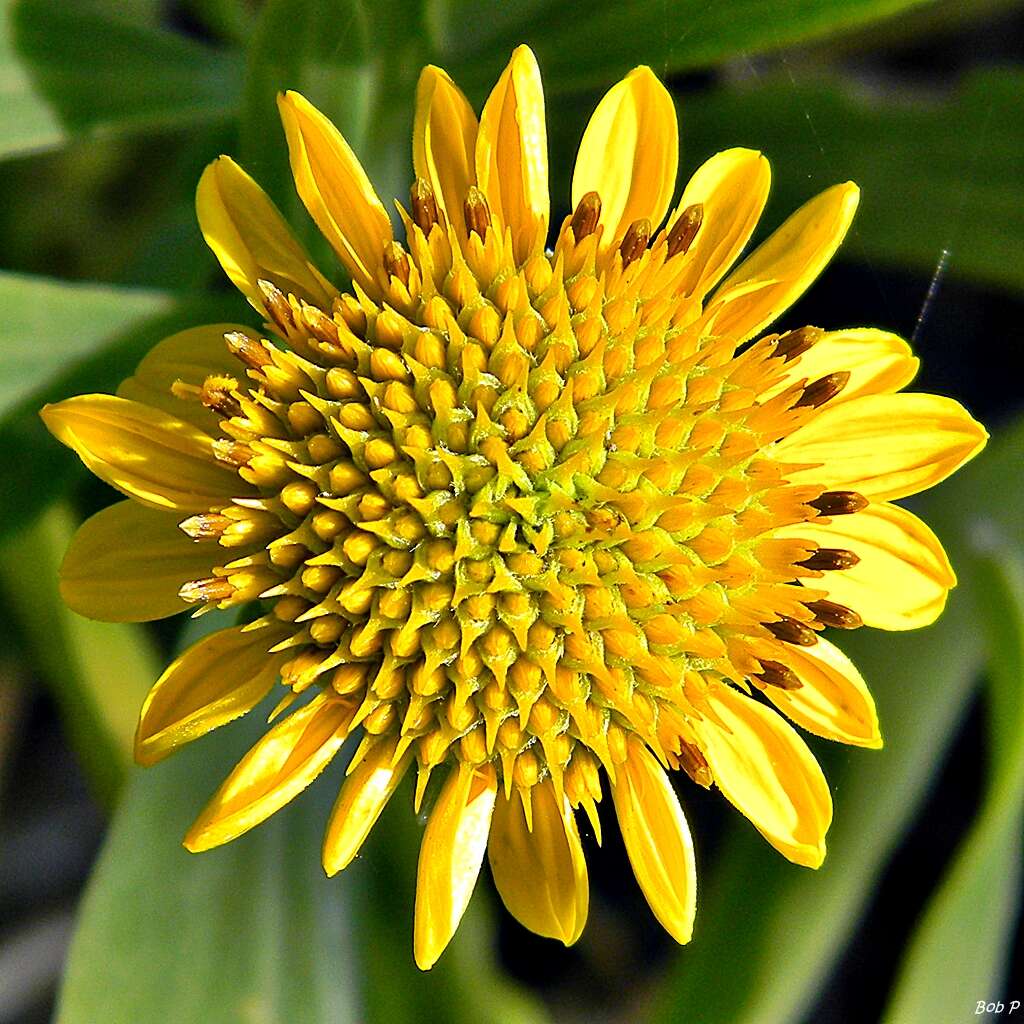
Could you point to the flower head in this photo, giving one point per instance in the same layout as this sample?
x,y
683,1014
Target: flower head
x,y
543,521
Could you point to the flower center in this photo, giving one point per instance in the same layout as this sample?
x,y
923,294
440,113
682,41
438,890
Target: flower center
x,y
520,512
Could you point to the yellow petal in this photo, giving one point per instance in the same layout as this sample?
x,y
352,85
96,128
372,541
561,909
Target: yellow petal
x,y
878,363
127,563
251,240
834,701
541,875
766,771
512,154
189,356
657,840
335,189
884,446
778,272
214,682
629,154
732,187
444,143
903,575
147,454
450,857
363,796
279,767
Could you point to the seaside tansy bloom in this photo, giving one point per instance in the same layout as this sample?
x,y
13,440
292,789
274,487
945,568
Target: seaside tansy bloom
x,y
539,523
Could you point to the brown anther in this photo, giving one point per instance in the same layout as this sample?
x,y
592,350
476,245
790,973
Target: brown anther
x,y
588,213
232,453
250,352
216,394
424,206
822,390
693,762
685,229
212,588
635,242
839,503
396,263
478,216
205,525
277,305
796,343
826,559
773,673
319,324
792,632
828,613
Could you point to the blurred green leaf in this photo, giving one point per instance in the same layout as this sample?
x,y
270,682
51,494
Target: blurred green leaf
x,y
97,672
581,48
50,325
972,915
252,933
937,175
95,66
769,955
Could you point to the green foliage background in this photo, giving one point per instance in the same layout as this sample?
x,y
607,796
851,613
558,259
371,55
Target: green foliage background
x,y
109,109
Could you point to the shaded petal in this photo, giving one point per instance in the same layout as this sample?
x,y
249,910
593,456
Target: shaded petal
x,y
834,701
444,143
732,187
127,563
781,269
878,362
766,771
657,840
214,682
629,154
363,797
903,576
335,189
251,240
512,153
189,356
541,875
884,446
146,453
279,767
451,853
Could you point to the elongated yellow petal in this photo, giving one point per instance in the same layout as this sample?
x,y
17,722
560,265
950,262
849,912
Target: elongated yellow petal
x,y
766,771
214,682
512,154
878,363
251,240
127,563
884,446
451,853
363,796
335,189
541,875
629,154
444,143
781,269
657,840
147,454
279,767
190,357
903,576
732,188
834,701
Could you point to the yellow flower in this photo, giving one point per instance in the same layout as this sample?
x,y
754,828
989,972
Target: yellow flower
x,y
544,519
